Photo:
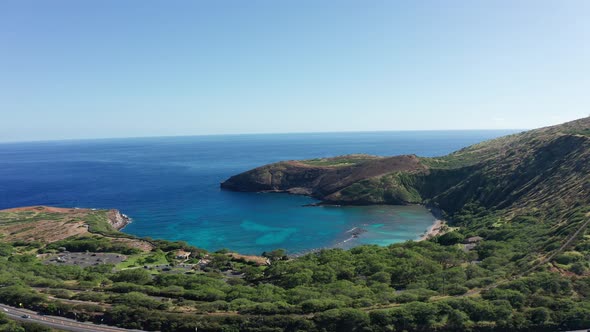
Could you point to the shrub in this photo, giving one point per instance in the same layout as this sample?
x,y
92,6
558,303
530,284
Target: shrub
x,y
450,238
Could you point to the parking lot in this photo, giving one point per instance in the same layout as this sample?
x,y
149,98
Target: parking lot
x,y
85,259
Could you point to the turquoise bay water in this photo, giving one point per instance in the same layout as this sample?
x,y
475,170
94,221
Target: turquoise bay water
x,y
170,186
268,221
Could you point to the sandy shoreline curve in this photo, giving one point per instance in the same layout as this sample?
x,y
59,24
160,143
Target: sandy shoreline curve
x,y
438,227
434,230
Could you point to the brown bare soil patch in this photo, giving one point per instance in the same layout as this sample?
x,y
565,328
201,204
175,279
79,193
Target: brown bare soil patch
x,y
258,260
44,230
134,243
41,223
41,209
50,224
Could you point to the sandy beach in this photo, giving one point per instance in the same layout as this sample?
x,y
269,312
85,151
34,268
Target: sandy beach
x,y
435,229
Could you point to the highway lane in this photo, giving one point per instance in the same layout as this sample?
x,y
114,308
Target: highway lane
x,y
57,322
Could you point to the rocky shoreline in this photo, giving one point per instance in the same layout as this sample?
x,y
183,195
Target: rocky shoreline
x,y
118,220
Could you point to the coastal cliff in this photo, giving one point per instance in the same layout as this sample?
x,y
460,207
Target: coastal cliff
x,y
515,171
321,178
117,219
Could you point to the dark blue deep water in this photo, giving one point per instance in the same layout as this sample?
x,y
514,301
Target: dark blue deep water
x,y
170,186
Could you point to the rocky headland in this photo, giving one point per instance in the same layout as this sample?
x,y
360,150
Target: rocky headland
x,y
117,219
515,172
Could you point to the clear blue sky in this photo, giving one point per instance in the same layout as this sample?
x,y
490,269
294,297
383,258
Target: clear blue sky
x,y
111,68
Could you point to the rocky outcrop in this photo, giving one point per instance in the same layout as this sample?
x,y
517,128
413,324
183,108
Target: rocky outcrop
x,y
319,181
117,219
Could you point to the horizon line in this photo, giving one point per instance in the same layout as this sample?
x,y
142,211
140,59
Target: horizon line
x,y
256,134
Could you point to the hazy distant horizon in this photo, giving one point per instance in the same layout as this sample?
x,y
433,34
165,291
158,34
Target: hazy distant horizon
x,y
506,130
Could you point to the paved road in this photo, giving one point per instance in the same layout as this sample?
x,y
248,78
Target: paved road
x,y
56,322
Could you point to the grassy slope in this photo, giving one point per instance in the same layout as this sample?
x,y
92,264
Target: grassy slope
x,y
46,225
543,169
340,161
50,227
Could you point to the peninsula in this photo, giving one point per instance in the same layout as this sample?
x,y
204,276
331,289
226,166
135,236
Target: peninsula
x,y
538,170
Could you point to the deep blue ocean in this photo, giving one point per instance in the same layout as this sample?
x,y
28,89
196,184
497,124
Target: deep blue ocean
x,y
170,186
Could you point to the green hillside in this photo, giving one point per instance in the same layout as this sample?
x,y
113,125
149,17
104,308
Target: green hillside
x,y
527,195
526,170
543,170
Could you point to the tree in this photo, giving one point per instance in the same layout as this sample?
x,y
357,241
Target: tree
x,y
7,325
342,320
579,268
319,305
5,249
252,273
382,277
135,276
457,319
539,316
34,327
515,298
303,277
450,238
275,255
135,299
